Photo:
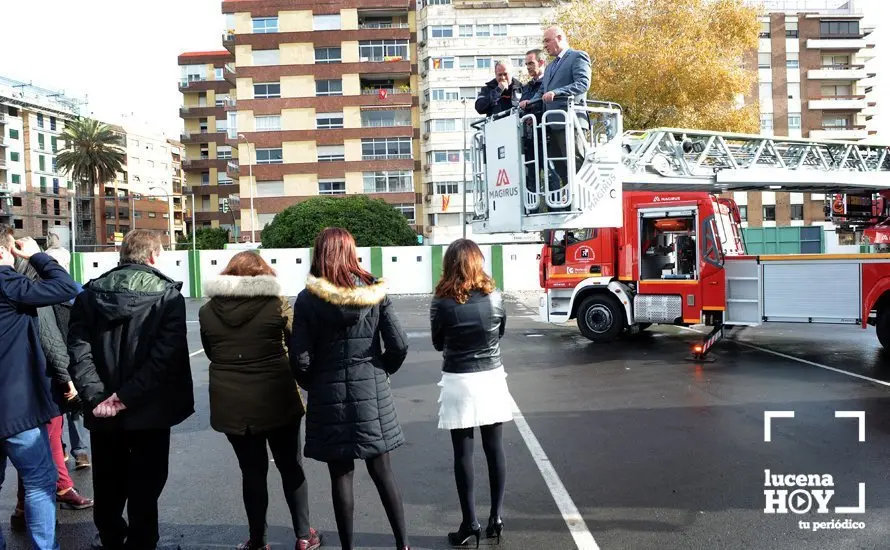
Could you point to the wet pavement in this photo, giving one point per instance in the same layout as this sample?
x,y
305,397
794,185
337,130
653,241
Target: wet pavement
x,y
655,451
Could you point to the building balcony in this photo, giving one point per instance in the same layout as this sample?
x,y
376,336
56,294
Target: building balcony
x,y
200,111
228,40
445,204
838,72
844,133
203,137
2,118
2,163
2,143
233,170
219,86
204,164
229,73
852,43
845,103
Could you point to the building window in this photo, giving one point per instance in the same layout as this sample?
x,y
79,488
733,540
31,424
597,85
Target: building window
x,y
224,152
39,120
769,213
443,157
764,29
328,87
270,188
328,55
383,50
466,62
267,90
499,30
442,31
743,212
437,63
265,25
269,123
794,121
14,157
52,123
407,210
326,22
447,187
41,163
441,94
465,31
328,120
764,60
796,211
269,156
791,29
483,30
13,134
792,60
839,28
266,57
331,187
483,62
836,90
331,153
16,179
395,181
386,148
442,125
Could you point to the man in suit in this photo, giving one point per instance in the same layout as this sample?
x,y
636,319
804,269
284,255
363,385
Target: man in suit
x,y
566,78
535,64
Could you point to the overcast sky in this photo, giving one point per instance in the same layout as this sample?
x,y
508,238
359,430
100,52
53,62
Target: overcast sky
x,y
122,55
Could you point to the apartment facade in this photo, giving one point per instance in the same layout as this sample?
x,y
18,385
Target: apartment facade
x,y
459,44
814,82
34,196
208,158
325,104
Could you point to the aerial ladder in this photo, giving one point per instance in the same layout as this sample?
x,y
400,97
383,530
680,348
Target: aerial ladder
x,y
512,192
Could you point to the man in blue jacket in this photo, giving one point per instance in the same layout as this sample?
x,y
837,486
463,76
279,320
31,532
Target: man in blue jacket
x,y
26,402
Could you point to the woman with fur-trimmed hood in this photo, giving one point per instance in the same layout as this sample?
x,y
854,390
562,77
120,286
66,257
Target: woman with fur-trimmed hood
x,y
347,341
254,400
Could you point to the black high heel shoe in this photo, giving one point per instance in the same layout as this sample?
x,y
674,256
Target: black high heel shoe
x,y
464,533
494,529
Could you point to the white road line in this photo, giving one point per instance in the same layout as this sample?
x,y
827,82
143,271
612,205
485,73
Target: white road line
x,y
194,353
801,360
571,515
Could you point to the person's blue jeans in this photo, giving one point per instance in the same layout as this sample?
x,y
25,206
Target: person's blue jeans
x,y
30,453
78,447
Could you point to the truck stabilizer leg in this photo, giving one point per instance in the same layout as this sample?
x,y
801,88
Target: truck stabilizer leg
x,y
700,350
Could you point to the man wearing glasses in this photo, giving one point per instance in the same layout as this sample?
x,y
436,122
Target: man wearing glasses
x,y
500,94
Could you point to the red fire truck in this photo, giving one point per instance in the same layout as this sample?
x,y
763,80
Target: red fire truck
x,y
638,235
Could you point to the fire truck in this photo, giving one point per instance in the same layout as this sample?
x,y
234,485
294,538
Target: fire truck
x,y
636,231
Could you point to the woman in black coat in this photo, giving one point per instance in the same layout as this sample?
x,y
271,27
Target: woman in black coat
x,y
341,319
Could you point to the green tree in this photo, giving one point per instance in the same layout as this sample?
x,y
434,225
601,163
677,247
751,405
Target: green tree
x,y
669,63
371,221
206,238
93,154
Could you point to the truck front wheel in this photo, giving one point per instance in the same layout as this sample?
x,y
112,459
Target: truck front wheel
x,y
882,327
600,318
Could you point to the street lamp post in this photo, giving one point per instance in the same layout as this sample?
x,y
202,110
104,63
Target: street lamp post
x,y
250,184
463,210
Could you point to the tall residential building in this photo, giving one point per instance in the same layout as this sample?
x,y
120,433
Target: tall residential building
x,y
143,195
207,85
460,42
325,104
34,196
814,82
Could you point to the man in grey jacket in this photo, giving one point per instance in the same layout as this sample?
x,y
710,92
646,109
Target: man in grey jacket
x,y
566,78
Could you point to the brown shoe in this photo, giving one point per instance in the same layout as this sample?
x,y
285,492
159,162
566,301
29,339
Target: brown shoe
x,y
73,500
81,462
312,543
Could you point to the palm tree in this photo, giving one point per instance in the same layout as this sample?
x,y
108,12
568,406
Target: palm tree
x,y
93,155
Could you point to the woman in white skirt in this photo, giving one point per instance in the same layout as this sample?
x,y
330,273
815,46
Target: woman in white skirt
x,y
467,318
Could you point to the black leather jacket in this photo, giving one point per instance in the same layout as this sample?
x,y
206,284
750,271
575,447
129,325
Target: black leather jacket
x,y
469,334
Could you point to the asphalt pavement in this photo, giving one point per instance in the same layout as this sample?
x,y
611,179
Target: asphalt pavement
x,y
650,449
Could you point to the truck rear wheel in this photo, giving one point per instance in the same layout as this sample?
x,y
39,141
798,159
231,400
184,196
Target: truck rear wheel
x,y
882,327
600,318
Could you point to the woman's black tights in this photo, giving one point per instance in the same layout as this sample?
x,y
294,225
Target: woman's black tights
x,y
344,502
462,441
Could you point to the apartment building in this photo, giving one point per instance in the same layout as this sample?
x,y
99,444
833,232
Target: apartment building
x,y
208,158
460,43
814,82
144,195
325,104
34,196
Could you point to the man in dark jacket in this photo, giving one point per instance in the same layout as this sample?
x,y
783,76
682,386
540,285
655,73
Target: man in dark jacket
x,y
500,94
26,403
130,364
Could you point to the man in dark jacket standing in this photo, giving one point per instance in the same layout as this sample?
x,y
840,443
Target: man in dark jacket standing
x,y
26,402
130,364
500,94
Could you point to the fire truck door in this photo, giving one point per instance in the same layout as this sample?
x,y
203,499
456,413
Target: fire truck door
x,y
713,276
